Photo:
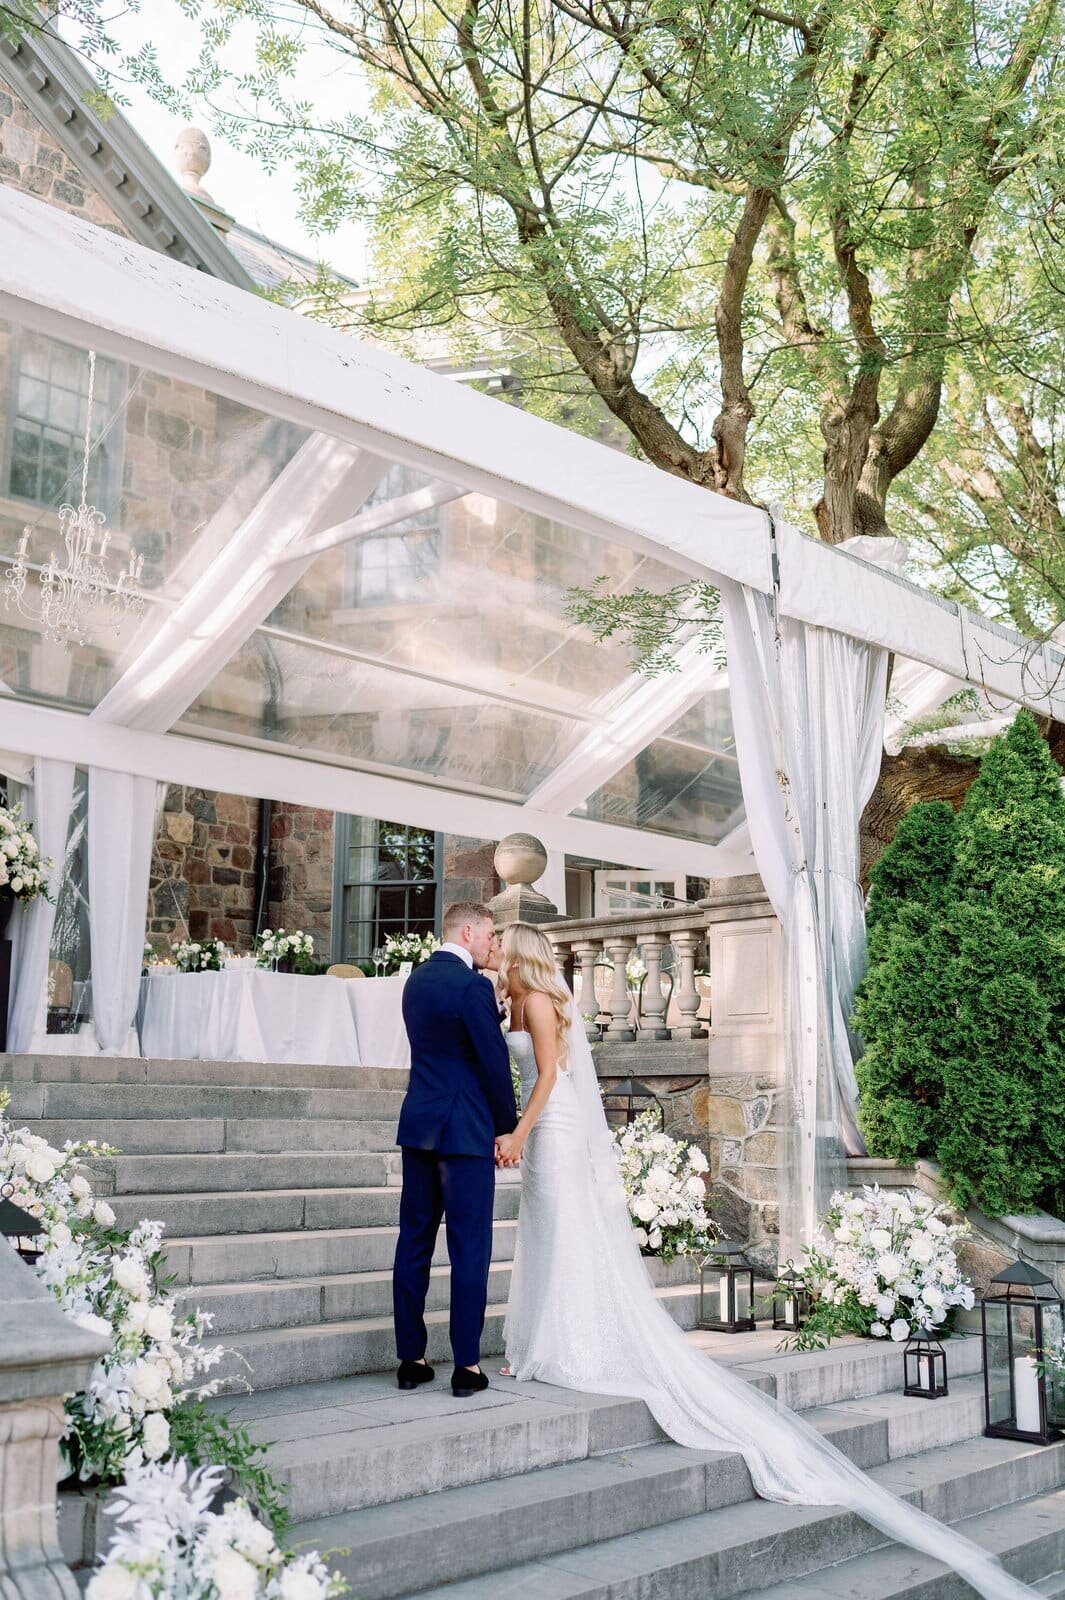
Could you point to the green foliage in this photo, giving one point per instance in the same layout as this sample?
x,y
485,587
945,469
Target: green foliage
x,y
208,1438
651,624
963,1006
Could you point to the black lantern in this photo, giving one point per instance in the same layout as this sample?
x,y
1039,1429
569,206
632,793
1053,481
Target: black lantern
x,y
791,1301
1023,1316
924,1366
18,1227
632,1097
726,1289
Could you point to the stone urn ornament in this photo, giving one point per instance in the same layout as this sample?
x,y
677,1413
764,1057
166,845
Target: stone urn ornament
x,y
521,859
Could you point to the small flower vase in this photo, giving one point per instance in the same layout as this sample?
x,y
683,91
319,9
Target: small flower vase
x,y
285,964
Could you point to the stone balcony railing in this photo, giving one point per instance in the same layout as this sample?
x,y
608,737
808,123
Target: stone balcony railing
x,y
692,945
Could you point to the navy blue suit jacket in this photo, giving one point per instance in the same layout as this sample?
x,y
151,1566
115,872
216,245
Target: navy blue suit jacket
x,y
461,1094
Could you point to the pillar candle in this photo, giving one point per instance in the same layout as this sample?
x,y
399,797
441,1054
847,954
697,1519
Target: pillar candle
x,y
724,1297
1026,1395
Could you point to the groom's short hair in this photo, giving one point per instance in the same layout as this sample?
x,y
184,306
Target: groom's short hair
x,y
462,911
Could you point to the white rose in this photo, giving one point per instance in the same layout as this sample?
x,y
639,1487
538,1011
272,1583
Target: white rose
x,y
640,1235
900,1329
102,1214
131,1276
297,1585
60,1235
17,885
655,1239
113,1582
159,1324
147,1381
880,1239
888,1266
80,1187
644,1208
11,848
885,1305
156,1436
936,1227
256,1542
136,1318
234,1577
878,1330
38,1167
920,1248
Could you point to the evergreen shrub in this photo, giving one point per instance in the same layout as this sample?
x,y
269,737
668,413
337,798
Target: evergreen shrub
x,y
962,1011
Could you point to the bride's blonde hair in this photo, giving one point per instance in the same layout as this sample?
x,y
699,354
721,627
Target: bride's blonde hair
x,y
533,955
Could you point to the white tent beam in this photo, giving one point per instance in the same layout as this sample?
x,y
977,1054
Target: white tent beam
x,y
240,588
377,518
331,786
638,717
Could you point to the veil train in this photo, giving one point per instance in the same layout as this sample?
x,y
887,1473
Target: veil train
x,y
704,1406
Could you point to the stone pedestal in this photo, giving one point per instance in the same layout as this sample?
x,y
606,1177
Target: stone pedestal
x,y
520,859
43,1357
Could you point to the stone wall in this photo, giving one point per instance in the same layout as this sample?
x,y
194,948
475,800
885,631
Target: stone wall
x,y
468,870
31,160
301,873
202,882
742,1145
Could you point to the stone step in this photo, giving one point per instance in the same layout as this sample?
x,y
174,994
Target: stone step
x,y
95,1103
277,1210
244,1307
239,1257
391,1547
205,1135
273,1358
226,1074
195,1174
768,1549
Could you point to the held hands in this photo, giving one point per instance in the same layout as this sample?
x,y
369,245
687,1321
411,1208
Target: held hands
x,y
508,1150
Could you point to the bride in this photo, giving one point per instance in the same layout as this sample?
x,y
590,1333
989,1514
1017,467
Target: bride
x,y
582,1311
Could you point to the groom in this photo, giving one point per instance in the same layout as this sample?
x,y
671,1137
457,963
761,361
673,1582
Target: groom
x,y
460,1099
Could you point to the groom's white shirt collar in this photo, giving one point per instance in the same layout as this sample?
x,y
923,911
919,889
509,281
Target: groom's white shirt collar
x,y
460,951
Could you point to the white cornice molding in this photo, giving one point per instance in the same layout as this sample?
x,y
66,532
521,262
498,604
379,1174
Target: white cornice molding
x,y
55,86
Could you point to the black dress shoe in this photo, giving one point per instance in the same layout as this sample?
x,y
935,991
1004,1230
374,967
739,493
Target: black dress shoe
x,y
465,1382
412,1373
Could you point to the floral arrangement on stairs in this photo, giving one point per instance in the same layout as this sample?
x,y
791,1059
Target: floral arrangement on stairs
x,y
884,1265
170,1545
663,1180
144,1407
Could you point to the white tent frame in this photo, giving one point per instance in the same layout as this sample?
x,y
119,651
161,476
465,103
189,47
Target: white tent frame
x,y
69,279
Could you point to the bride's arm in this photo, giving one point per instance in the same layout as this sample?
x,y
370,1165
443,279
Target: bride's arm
x,y
539,1018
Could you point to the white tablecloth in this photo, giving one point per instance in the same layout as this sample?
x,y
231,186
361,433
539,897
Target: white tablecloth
x,y
247,1014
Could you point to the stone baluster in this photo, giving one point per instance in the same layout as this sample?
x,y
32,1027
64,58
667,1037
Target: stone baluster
x,y
686,943
619,948
43,1356
587,954
654,1001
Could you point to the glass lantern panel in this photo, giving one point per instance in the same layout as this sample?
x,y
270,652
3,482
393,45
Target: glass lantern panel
x,y
997,1358
1054,1341
744,1296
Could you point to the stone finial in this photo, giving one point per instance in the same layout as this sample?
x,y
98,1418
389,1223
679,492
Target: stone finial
x,y
520,859
192,153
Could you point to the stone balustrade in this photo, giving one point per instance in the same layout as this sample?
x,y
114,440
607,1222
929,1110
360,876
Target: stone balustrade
x,y
713,1060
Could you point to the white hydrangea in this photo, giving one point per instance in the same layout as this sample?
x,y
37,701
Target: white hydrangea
x,y
665,1187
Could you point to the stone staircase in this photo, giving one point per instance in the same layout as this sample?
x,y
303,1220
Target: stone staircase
x,y
279,1189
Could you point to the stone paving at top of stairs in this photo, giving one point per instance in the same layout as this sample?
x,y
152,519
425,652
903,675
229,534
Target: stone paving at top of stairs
x,y
241,1074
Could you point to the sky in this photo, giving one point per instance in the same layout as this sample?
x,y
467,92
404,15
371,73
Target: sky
x,y
265,202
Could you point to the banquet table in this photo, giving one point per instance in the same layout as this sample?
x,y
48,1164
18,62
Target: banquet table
x,y
251,1014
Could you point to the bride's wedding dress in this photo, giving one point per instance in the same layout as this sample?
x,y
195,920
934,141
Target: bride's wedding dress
x,y
583,1315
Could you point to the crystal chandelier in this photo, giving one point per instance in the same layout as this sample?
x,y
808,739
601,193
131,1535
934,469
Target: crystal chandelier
x,y
71,592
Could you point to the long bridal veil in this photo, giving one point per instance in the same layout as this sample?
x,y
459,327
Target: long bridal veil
x,y
703,1405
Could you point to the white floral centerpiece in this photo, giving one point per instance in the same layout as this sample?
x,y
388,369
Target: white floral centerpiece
x,y
884,1265
413,947
275,944
23,870
170,1545
200,955
663,1180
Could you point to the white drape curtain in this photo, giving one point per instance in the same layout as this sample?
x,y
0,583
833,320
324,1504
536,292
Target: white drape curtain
x,y
122,816
808,713
48,804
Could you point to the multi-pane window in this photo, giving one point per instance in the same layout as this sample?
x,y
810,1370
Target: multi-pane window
x,y
49,403
388,881
395,564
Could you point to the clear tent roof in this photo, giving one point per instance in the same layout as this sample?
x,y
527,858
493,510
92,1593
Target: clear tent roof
x,y
355,574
